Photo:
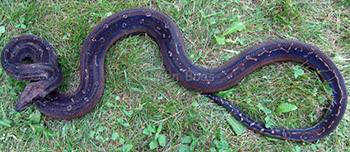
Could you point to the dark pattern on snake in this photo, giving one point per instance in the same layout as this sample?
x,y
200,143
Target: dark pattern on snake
x,y
45,77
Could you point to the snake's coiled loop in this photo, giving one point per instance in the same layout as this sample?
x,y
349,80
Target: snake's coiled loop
x,y
42,71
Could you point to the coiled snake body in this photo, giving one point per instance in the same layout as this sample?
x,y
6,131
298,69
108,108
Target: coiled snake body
x,y
46,76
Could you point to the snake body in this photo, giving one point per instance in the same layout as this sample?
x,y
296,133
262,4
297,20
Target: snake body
x,y
45,75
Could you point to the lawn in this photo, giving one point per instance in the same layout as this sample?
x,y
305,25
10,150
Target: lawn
x,y
144,109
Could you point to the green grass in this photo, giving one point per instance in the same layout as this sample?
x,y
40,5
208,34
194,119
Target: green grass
x,y
141,102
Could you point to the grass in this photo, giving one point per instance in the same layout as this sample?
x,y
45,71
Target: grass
x,y
141,104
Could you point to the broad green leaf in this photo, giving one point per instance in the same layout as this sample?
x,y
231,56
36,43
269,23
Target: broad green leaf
x,y
2,30
235,26
321,99
109,104
298,72
297,148
266,110
35,117
152,128
220,40
224,144
153,144
156,136
212,20
149,130
121,141
162,140
101,129
5,122
285,107
271,138
22,20
126,124
195,104
126,148
129,113
313,146
160,127
241,41
217,143
184,148
117,98
264,99
268,122
107,14
114,136
185,2
230,41
120,120
186,140
237,126
249,101
193,145
146,131
92,134
99,137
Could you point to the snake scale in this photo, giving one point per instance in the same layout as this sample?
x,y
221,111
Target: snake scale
x,y
45,75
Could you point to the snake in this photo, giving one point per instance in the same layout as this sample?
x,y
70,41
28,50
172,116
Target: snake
x,y
44,75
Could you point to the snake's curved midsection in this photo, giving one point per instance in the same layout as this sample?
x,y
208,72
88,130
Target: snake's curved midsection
x,y
172,47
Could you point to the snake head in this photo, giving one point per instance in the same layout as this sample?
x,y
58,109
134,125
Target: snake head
x,y
30,94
